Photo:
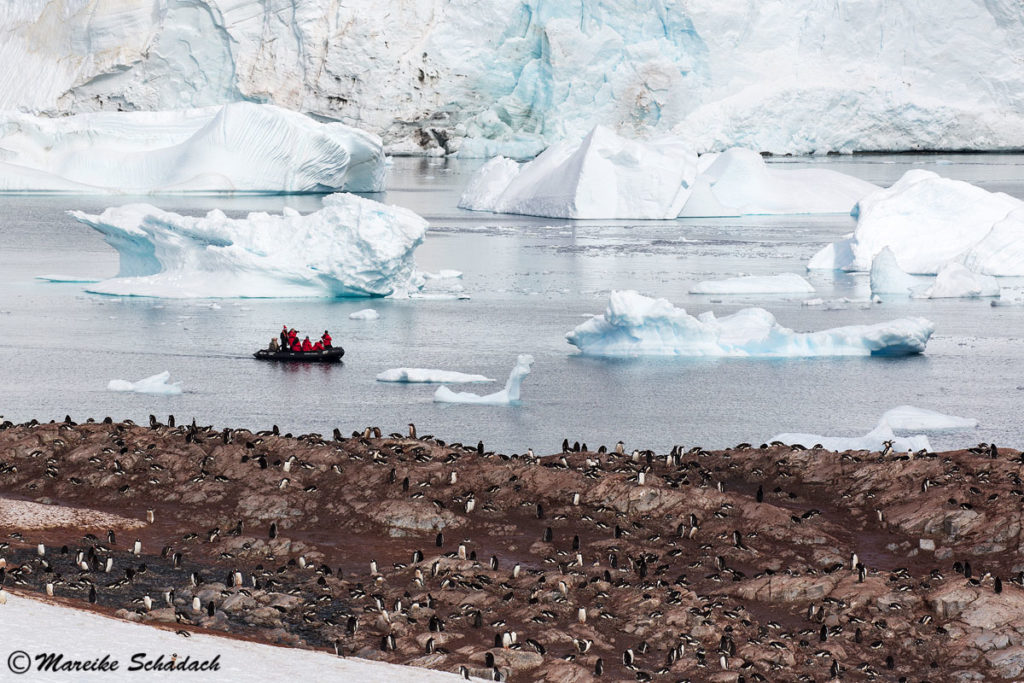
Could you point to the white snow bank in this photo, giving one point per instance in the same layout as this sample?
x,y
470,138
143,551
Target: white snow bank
x,y
955,280
911,419
784,283
887,277
81,635
634,325
507,396
738,182
157,384
606,176
350,247
428,376
240,147
928,221
365,314
872,441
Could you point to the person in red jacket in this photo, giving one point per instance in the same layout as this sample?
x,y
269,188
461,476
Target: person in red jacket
x,y
318,346
296,346
307,345
326,339
293,337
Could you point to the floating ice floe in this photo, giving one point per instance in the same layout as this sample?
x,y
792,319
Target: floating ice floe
x,y
507,396
637,325
738,182
241,147
872,441
606,176
429,376
784,283
80,279
349,248
887,277
956,281
928,221
442,275
911,419
157,384
365,314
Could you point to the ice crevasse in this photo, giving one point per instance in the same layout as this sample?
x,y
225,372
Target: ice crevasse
x,y
637,325
349,248
241,147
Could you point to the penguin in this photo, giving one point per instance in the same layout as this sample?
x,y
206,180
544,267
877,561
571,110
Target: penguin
x,y
137,548
439,540
998,585
760,494
599,664
581,615
273,530
548,534
111,537
92,594
412,431
196,604
147,602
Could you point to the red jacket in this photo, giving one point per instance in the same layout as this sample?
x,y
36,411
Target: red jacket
x,y
296,346
306,345
326,340
318,346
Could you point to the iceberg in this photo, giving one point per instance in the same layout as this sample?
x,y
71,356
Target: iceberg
x,y
428,376
351,247
927,221
237,148
872,441
738,182
507,396
606,176
157,384
784,283
1001,251
365,314
955,281
637,325
887,277
911,419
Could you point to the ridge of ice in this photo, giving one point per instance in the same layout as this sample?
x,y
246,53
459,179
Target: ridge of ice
x,y
156,384
237,148
429,376
637,325
351,247
507,396
783,283
911,419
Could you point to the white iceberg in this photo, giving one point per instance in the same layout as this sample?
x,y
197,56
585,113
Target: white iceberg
x,y
926,221
637,325
1001,251
784,283
887,277
350,247
429,376
365,314
872,441
911,419
507,396
956,281
444,274
738,182
606,176
157,384
237,148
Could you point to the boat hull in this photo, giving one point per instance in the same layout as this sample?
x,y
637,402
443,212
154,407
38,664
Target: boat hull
x,y
332,355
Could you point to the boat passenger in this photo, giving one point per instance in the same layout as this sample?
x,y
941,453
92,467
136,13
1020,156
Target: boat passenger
x,y
318,346
293,337
284,337
274,346
296,346
307,345
326,339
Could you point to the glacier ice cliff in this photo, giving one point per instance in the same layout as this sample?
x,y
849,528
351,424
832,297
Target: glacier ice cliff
x,y
236,148
351,247
638,325
512,77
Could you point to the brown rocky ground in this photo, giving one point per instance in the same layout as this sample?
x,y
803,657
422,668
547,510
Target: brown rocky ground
x,y
748,564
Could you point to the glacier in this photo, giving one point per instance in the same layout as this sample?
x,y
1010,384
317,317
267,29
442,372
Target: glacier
x,y
157,384
506,397
351,247
236,148
783,283
927,221
638,325
429,376
486,77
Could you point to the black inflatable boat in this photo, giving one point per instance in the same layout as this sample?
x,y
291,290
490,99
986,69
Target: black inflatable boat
x,y
331,355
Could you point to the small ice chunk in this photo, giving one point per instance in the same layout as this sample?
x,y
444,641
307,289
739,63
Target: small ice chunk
x,y
428,376
784,283
365,314
157,384
872,441
911,419
507,396
442,274
956,281
887,277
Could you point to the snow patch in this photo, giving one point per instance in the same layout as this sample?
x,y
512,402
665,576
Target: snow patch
x,y
157,384
507,396
784,283
351,247
637,325
428,376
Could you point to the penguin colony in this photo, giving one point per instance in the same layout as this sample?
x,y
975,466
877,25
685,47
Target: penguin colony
x,y
754,563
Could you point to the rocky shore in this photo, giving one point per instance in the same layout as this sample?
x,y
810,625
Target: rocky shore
x,y
770,562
